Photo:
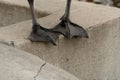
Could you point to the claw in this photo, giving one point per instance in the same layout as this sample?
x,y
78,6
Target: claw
x,y
70,29
40,34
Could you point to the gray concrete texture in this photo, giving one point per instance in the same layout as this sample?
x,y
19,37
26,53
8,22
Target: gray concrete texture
x,y
18,65
11,14
96,58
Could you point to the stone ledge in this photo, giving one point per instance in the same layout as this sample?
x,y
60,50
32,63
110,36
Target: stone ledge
x,y
49,6
96,57
19,65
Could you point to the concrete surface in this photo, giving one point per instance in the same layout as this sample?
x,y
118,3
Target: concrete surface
x,y
49,6
96,58
19,65
12,11
11,14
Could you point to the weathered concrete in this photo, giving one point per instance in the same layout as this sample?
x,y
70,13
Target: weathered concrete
x,y
96,58
11,14
49,6
12,11
19,65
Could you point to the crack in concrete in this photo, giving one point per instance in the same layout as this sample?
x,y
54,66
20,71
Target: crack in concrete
x,y
41,67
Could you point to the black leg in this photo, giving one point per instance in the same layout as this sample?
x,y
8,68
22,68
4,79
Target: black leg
x,y
66,16
68,28
31,3
40,33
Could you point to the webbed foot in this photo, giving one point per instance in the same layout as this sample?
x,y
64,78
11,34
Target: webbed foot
x,y
70,29
40,34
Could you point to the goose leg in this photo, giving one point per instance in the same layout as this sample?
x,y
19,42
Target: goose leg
x,y
68,28
40,33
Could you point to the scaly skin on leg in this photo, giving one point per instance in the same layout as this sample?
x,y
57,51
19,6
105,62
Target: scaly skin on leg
x,y
40,33
68,28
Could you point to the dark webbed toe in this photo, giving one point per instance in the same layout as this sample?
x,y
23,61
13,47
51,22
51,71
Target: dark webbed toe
x,y
77,31
70,29
40,34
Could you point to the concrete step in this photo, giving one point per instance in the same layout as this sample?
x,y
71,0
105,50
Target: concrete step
x,y
49,6
96,58
11,14
19,65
